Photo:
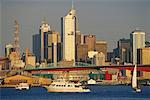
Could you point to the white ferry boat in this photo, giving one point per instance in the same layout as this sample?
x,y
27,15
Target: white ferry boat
x,y
66,86
22,86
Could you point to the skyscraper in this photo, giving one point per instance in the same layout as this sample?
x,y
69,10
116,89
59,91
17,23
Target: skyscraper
x,y
44,30
36,46
124,50
69,33
46,44
137,41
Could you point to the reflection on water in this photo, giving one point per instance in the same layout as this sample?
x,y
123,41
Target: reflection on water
x,y
98,93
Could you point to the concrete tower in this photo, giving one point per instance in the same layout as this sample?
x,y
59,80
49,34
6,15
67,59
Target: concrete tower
x,y
69,33
137,41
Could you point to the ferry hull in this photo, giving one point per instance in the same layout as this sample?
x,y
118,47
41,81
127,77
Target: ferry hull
x,y
51,89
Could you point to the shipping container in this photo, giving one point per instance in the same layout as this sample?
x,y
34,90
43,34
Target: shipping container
x,y
97,76
102,76
108,76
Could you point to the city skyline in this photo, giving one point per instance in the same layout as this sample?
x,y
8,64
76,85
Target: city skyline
x,y
106,25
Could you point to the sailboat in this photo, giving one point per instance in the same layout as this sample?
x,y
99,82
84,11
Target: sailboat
x,y
134,80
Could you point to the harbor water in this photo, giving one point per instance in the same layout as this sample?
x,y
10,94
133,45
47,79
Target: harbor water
x,y
97,93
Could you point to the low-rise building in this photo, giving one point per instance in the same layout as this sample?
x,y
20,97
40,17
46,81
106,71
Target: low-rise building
x,y
99,59
18,79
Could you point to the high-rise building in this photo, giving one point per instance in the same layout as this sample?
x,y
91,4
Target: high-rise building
x,y
44,31
124,50
101,46
54,44
143,55
137,41
46,45
90,40
69,33
36,47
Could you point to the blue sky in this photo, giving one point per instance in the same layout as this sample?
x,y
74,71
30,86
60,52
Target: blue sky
x,y
109,20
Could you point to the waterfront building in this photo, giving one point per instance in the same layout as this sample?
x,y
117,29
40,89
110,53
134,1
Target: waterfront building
x,y
137,41
90,41
8,49
81,52
68,35
99,59
16,79
4,63
101,46
124,50
143,55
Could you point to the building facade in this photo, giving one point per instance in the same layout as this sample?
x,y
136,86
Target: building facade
x,y
69,33
124,50
36,46
47,44
90,40
8,49
44,31
101,46
143,55
137,41
99,59
81,52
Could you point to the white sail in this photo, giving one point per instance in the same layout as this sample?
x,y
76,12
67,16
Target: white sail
x,y
134,77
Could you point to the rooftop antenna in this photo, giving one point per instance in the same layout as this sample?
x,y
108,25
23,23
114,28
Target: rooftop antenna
x,y
44,20
72,4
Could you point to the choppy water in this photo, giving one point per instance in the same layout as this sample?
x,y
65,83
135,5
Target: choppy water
x,y
98,93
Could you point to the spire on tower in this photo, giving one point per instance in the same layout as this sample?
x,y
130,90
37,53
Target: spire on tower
x,y
44,20
72,5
